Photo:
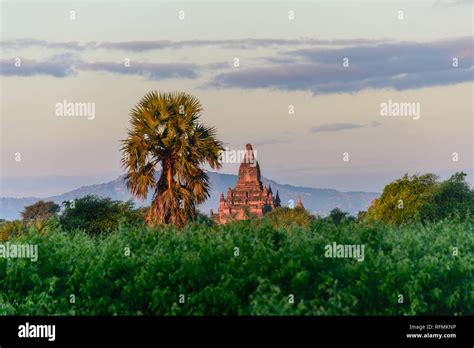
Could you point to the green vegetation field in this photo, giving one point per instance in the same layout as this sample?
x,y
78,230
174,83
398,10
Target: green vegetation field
x,y
270,264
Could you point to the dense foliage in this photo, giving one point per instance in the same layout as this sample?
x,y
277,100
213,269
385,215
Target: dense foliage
x,y
285,217
246,267
97,215
337,216
39,211
422,197
452,196
11,229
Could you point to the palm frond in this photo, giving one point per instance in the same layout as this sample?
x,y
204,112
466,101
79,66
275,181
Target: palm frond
x,y
165,129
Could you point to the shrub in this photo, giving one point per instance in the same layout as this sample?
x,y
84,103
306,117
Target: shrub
x,y
11,229
337,216
97,215
269,264
203,219
286,217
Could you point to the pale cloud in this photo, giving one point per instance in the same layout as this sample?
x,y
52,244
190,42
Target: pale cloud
x,y
318,69
56,66
453,2
336,127
31,42
153,71
66,66
272,141
148,45
399,66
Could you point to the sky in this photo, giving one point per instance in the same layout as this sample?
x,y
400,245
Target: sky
x,y
334,63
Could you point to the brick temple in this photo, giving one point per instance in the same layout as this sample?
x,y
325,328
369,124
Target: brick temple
x,y
249,197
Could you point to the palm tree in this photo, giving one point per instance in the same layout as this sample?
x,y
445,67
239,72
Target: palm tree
x,y
165,129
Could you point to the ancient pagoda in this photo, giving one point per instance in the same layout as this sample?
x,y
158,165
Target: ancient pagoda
x,y
249,197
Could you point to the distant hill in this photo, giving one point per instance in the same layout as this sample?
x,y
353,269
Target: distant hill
x,y
316,200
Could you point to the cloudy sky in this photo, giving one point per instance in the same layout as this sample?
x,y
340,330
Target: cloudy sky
x,y
333,62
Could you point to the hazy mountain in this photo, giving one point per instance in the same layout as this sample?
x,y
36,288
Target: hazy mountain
x,y
316,200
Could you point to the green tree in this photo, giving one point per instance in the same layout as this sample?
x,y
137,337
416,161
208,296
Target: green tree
x,y
286,217
361,215
39,211
97,215
403,199
336,216
203,219
449,197
165,130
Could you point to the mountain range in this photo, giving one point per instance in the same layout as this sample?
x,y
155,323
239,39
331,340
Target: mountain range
x,y
316,200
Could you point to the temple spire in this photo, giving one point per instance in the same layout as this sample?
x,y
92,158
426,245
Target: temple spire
x,y
249,155
277,200
299,204
249,171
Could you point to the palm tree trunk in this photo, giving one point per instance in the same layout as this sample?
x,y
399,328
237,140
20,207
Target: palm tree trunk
x,y
169,174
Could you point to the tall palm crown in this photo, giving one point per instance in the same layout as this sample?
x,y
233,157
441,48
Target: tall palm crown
x,y
165,129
